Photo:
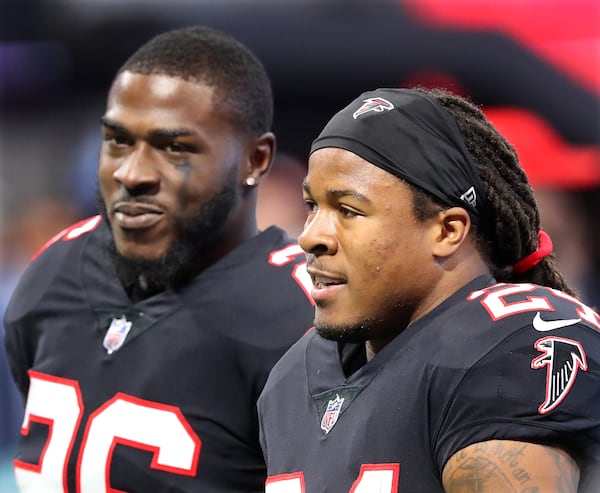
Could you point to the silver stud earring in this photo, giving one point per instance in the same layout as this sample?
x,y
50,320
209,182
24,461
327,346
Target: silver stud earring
x,y
250,181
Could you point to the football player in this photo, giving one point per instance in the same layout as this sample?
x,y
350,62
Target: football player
x,y
449,355
142,337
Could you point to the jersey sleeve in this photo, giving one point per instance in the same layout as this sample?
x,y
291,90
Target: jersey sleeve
x,y
25,305
541,387
16,360
40,292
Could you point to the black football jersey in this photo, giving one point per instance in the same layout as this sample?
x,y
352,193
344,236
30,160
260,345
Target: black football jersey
x,y
494,361
155,396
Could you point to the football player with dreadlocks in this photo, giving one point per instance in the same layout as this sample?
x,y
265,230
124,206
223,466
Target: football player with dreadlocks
x,y
449,354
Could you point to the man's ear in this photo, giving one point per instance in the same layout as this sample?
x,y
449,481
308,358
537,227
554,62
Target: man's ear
x,y
260,157
453,227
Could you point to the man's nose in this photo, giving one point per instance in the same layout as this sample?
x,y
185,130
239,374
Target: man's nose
x,y
319,235
138,170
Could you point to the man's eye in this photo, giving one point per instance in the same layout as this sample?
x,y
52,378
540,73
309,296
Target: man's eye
x,y
117,140
346,212
177,148
310,205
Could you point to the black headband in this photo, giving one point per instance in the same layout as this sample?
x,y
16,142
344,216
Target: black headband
x,y
408,134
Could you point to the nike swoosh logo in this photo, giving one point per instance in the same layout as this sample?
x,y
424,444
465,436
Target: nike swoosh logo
x,y
542,325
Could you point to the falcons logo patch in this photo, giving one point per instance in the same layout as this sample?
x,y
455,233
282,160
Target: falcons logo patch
x,y
563,358
373,104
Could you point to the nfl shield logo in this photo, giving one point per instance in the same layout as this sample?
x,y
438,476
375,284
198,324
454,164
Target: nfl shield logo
x,y
116,334
332,413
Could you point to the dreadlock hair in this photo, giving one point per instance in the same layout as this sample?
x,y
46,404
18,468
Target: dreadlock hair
x,y
515,218
242,88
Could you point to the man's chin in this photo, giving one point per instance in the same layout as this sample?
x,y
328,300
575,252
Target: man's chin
x,y
354,333
141,245
139,255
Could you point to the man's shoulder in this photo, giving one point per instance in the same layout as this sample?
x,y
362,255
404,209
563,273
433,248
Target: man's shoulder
x,y
268,270
55,267
292,365
511,307
75,234
276,248
63,253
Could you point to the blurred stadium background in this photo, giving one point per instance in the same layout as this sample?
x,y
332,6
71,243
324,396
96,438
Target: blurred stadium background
x,y
534,65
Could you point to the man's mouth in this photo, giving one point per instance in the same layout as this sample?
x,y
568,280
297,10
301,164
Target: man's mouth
x,y
321,282
326,284
136,215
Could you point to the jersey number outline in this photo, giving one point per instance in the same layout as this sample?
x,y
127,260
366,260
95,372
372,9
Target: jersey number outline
x,y
288,254
493,299
57,402
372,478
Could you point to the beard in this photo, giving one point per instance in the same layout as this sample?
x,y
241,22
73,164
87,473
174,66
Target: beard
x,y
357,333
195,234
385,325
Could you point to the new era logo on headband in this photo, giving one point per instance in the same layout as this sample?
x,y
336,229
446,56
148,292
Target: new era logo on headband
x,y
470,197
373,104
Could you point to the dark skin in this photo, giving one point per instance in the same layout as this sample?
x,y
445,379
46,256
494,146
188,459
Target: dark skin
x,y
167,152
508,466
376,269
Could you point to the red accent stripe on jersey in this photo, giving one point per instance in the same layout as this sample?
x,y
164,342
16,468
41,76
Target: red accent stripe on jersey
x,y
70,233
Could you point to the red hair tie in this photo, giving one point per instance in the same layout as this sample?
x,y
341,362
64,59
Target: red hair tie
x,y
544,248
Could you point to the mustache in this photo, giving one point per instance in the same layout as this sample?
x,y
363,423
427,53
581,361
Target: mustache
x,y
313,265
125,197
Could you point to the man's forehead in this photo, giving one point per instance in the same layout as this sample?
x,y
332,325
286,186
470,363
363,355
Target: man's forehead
x,y
342,173
159,87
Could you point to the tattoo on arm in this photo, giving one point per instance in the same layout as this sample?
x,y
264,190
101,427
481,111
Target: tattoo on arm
x,y
510,467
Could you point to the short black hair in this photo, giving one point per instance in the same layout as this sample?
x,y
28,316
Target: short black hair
x,y
202,54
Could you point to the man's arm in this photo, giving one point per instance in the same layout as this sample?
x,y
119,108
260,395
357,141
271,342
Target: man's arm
x,y
510,467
